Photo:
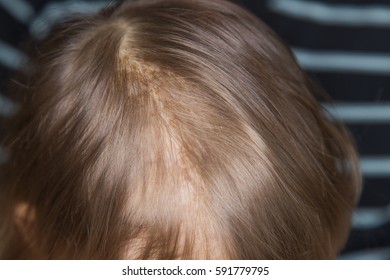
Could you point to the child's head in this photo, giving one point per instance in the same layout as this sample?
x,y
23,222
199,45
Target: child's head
x,y
173,129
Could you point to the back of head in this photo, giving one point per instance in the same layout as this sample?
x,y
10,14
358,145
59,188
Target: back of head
x,y
174,129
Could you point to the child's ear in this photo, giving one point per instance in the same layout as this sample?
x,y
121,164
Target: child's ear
x,y
25,219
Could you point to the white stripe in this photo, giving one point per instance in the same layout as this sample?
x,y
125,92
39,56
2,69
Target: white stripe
x,y
369,218
333,14
11,57
19,9
375,166
7,107
337,61
55,12
360,112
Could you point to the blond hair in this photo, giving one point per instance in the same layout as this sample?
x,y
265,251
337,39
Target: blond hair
x,y
174,129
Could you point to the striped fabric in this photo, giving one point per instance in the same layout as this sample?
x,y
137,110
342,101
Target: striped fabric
x,y
344,44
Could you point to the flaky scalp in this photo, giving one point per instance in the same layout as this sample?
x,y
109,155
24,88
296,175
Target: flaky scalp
x,y
173,129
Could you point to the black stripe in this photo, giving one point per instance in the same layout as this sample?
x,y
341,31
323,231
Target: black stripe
x,y
300,33
376,192
372,140
11,30
345,87
373,238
